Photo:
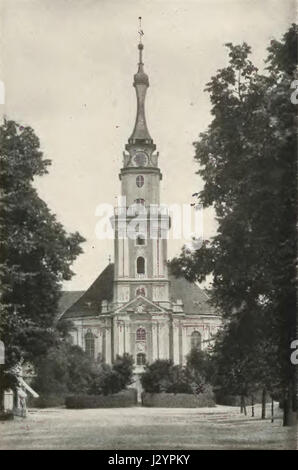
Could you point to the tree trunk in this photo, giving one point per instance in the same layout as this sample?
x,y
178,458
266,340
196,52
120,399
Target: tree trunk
x,y
241,404
289,416
244,406
263,403
1,391
252,406
1,400
272,410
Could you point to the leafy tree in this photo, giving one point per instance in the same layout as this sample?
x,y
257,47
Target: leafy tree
x,y
113,379
247,160
36,253
163,376
123,366
157,377
201,362
64,369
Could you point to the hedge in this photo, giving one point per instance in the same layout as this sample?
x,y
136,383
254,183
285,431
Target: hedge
x,y
117,400
177,400
46,401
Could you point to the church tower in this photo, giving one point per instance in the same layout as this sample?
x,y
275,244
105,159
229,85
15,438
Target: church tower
x,y
135,306
140,223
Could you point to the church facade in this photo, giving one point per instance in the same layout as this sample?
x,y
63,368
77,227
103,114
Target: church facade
x,y
135,305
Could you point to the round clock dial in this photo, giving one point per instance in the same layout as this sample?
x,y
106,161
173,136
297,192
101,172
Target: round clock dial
x,y
141,159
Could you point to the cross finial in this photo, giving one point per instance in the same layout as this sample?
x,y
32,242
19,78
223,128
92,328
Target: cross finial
x,y
140,32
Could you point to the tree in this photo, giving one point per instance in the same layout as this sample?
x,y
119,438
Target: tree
x,y
163,376
36,253
201,362
64,369
247,161
113,379
123,366
157,376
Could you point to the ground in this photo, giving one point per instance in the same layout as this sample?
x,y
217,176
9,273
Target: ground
x,y
221,427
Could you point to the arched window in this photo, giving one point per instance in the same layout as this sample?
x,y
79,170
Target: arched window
x,y
140,240
90,344
140,265
196,340
141,359
141,291
141,334
140,181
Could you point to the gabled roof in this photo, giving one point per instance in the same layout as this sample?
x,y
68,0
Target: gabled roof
x,y
141,303
194,299
89,304
67,299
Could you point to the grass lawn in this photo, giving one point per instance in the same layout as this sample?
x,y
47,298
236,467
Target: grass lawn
x,y
221,427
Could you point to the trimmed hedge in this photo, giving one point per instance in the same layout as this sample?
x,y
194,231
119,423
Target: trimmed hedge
x,y
117,400
46,401
177,400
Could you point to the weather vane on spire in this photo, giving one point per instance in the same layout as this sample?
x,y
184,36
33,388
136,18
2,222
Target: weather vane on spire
x,y
141,32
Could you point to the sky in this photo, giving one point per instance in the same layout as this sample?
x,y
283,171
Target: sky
x,y
68,66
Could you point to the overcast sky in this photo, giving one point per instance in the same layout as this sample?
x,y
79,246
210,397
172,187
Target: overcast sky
x,y
68,67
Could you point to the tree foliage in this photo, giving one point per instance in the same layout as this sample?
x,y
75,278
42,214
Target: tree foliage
x,y
247,161
64,369
113,379
163,376
36,252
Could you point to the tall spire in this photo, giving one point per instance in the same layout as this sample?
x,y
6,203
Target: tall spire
x,y
141,83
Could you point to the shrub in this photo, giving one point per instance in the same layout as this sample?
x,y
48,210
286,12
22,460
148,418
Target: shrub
x,y
121,399
46,401
157,377
64,369
164,376
113,379
123,367
67,369
178,400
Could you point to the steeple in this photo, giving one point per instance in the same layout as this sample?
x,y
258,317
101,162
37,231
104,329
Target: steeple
x,y
141,83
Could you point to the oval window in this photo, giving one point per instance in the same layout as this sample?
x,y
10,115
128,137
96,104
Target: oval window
x,y
140,181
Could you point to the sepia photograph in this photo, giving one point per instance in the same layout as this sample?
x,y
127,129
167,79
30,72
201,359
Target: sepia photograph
x,y
148,224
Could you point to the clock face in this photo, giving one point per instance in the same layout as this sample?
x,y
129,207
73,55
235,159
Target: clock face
x,y
140,159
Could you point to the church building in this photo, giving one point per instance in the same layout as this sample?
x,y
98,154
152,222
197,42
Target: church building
x,y
135,305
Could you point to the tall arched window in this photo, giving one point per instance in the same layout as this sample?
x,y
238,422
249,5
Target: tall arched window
x,y
196,340
140,181
141,334
141,359
90,344
141,265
